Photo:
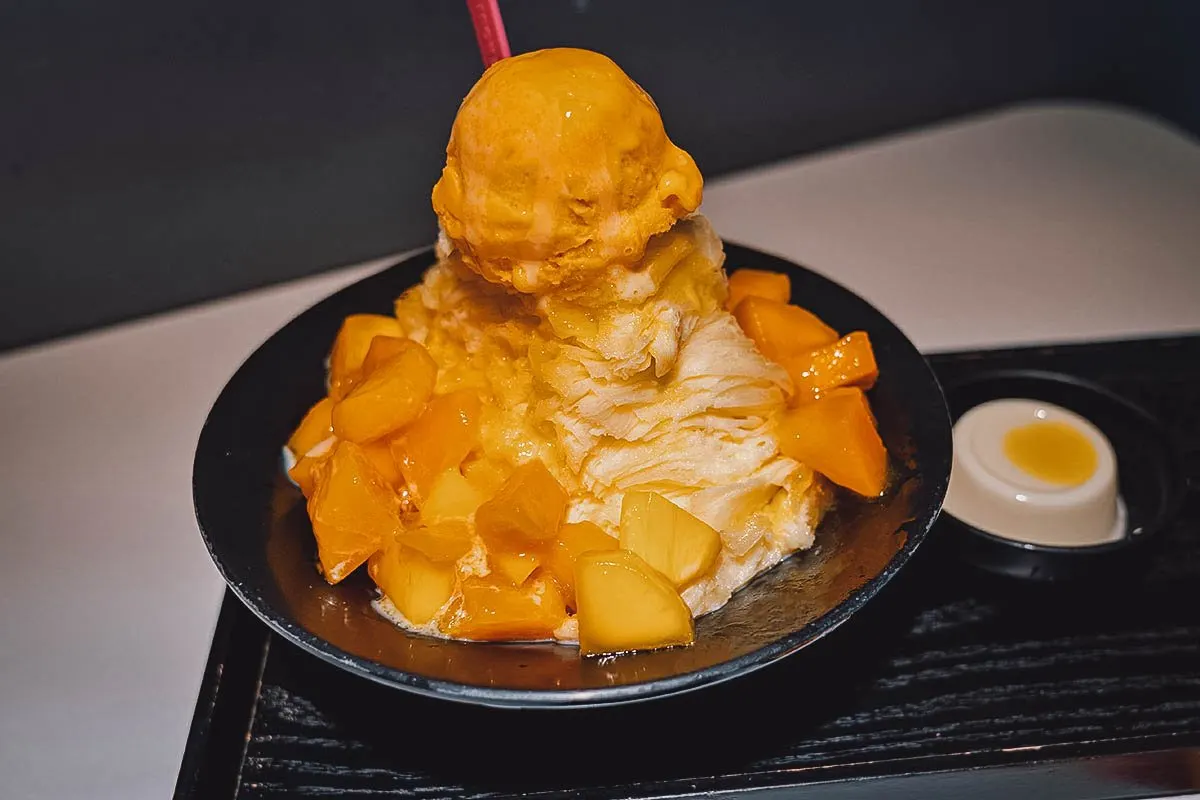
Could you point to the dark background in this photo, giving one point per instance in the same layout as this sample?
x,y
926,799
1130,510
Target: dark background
x,y
154,154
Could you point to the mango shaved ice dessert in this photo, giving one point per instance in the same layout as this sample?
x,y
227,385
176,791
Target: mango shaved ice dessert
x,y
577,427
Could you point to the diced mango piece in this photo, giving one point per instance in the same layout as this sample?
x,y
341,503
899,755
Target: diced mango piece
x,y
302,472
574,539
782,330
451,496
382,350
353,511
380,454
849,361
836,436
695,282
391,398
486,474
446,431
527,509
493,609
625,604
351,346
417,586
671,540
745,283
441,542
664,253
516,567
302,469
569,320
316,427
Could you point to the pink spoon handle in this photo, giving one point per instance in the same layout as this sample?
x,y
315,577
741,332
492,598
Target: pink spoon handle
x,y
489,30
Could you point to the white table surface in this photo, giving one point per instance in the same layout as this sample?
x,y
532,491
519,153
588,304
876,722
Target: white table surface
x,y
1041,223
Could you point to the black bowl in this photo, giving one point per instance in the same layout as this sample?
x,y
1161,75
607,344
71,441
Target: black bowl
x,y
256,528
1149,475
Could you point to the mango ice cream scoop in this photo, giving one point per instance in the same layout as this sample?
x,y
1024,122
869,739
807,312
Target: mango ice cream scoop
x,y
557,167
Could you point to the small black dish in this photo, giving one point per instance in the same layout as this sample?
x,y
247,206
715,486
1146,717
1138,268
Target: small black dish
x,y
1149,476
254,523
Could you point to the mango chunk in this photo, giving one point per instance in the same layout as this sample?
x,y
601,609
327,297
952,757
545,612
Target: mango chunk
x,y
380,455
451,496
664,253
836,437
745,283
671,540
351,346
780,330
303,473
316,427
569,320
417,586
695,283
527,509
391,398
446,431
441,542
382,350
493,609
486,474
849,361
516,567
625,604
574,539
353,511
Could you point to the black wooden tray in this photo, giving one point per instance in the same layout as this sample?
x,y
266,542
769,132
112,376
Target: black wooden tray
x,y
950,682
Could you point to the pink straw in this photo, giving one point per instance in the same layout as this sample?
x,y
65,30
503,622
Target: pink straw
x,y
489,30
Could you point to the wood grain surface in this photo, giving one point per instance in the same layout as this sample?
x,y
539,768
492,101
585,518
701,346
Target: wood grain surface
x,y
947,669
